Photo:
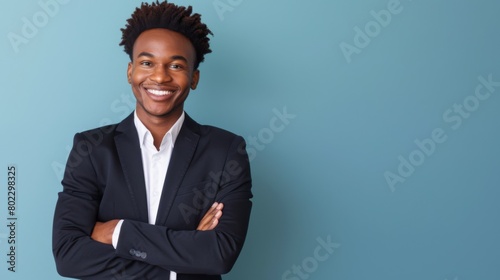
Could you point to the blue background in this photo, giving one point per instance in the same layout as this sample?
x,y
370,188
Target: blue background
x,y
322,175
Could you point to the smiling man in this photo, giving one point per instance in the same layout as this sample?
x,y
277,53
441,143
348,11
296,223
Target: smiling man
x,y
144,198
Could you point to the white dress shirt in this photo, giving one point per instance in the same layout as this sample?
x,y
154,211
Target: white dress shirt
x,y
155,164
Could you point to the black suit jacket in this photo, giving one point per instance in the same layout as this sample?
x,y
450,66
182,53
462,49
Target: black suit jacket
x,y
104,180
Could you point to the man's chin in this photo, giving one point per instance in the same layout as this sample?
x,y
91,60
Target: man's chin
x,y
164,114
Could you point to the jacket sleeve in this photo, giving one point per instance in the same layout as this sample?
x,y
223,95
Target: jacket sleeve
x,y
199,252
76,254
147,251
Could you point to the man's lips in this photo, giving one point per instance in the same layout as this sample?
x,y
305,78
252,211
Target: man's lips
x,y
156,91
159,92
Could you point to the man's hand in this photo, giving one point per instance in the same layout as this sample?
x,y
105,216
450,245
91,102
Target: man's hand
x,y
103,232
211,218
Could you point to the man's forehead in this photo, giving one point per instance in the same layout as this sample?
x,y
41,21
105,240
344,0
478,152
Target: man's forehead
x,y
162,42
163,36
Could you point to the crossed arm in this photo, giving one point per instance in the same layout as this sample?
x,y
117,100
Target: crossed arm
x,y
103,232
81,245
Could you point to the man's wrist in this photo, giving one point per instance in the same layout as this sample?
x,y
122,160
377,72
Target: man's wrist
x,y
116,234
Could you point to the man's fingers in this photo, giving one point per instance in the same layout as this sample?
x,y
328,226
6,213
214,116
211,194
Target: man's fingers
x,y
211,218
218,214
206,221
215,222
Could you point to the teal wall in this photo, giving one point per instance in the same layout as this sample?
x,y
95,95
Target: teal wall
x,y
373,128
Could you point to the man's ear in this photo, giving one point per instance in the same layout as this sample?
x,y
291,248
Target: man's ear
x,y
195,79
129,73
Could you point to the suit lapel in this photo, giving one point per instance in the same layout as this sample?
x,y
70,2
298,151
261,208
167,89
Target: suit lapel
x,y
129,152
182,154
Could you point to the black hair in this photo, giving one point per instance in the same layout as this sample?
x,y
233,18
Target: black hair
x,y
169,16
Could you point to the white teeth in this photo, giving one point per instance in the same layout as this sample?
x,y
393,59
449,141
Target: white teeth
x,y
160,92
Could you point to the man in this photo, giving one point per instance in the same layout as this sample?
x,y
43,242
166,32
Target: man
x,y
143,199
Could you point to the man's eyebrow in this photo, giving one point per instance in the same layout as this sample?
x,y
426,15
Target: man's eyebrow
x,y
174,57
145,54
179,57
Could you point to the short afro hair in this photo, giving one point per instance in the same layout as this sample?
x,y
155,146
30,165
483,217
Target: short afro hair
x,y
169,16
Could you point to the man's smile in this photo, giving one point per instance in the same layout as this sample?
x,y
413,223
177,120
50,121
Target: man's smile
x,y
161,74
160,92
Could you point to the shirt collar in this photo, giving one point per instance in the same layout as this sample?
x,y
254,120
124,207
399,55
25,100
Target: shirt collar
x,y
169,137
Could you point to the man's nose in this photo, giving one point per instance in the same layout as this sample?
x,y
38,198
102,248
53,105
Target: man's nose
x,y
161,75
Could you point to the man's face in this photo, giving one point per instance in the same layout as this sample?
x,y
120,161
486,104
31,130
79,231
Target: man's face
x,y
162,73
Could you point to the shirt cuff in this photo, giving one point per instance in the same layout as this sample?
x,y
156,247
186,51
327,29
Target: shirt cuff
x,y
116,233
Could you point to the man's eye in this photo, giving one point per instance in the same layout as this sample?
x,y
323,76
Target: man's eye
x,y
146,63
176,66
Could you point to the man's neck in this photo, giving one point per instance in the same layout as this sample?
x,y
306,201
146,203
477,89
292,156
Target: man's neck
x,y
158,125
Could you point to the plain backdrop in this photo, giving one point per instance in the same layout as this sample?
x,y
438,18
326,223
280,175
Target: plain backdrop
x,y
373,127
